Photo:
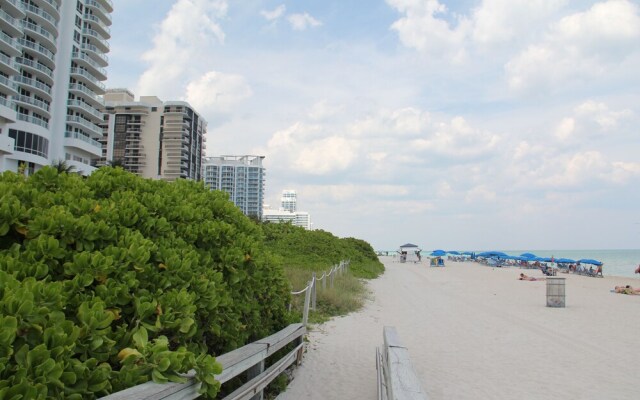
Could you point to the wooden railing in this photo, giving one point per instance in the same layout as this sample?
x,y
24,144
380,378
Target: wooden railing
x,y
396,378
249,360
311,290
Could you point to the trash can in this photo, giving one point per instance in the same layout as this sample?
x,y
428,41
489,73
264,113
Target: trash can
x,y
555,292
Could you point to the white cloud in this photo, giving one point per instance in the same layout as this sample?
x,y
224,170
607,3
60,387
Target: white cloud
x,y
422,29
407,122
217,92
275,13
480,193
188,28
600,113
578,49
300,22
574,170
458,139
565,128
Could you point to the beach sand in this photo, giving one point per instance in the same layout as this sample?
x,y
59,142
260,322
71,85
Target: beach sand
x,y
477,332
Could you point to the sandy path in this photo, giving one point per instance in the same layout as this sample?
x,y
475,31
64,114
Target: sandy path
x,y
476,332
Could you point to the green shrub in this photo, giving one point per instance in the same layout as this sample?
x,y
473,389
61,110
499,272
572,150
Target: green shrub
x,y
112,280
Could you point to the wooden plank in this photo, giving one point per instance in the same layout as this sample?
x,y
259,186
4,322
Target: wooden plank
x,y
237,361
260,382
391,338
402,381
278,340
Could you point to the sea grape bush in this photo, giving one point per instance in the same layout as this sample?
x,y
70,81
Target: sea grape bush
x,y
318,250
112,280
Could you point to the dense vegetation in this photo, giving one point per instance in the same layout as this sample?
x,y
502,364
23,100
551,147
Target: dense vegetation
x,y
110,280
317,250
304,252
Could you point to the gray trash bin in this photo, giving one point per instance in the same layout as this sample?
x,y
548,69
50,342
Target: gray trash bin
x,y
555,292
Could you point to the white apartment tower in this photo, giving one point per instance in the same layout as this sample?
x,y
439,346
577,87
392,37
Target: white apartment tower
x,y
242,177
52,65
152,138
288,201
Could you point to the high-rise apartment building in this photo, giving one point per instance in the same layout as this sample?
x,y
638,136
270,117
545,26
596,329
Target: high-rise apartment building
x,y
242,177
289,200
152,138
52,65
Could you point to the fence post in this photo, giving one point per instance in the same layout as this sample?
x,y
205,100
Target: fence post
x,y
305,311
332,274
252,373
313,294
324,280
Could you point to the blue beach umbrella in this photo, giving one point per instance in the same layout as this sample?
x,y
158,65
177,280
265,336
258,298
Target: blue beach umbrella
x,y
528,255
565,261
590,261
455,253
438,253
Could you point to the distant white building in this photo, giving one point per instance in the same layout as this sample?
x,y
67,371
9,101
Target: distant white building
x,y
288,211
289,200
243,177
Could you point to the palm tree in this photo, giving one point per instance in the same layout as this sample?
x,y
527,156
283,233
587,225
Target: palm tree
x,y
116,162
63,167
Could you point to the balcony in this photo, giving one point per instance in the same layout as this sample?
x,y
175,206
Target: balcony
x,y
96,54
86,77
42,53
9,45
7,113
11,24
84,124
7,86
98,10
50,6
33,120
34,86
82,142
107,4
77,105
32,103
42,17
95,38
40,34
97,24
14,8
93,67
86,94
41,70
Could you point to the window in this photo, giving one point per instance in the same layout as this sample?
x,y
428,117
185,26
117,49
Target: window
x,y
29,143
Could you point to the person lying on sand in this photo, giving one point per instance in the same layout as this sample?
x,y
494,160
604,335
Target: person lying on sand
x,y
524,277
627,290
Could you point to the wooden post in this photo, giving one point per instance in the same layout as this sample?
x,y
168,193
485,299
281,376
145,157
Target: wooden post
x,y
324,280
305,311
252,373
332,274
313,294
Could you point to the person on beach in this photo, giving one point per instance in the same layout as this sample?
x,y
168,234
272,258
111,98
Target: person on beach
x,y
627,290
524,277
638,269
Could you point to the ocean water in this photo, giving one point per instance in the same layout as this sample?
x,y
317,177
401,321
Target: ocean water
x,y
616,262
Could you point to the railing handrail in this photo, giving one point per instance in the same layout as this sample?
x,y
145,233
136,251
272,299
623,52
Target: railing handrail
x,y
249,358
396,377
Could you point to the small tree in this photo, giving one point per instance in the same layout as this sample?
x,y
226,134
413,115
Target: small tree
x,y
63,167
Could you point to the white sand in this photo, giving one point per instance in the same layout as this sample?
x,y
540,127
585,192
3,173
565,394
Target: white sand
x,y
476,332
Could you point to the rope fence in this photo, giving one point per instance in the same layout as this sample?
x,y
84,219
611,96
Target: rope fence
x,y
311,290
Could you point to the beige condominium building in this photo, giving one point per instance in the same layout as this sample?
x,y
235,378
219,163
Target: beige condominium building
x,y
52,65
152,138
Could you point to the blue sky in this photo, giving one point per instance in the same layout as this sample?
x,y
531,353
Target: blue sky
x,y
472,124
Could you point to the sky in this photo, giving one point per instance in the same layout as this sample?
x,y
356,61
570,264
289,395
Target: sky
x,y
457,125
